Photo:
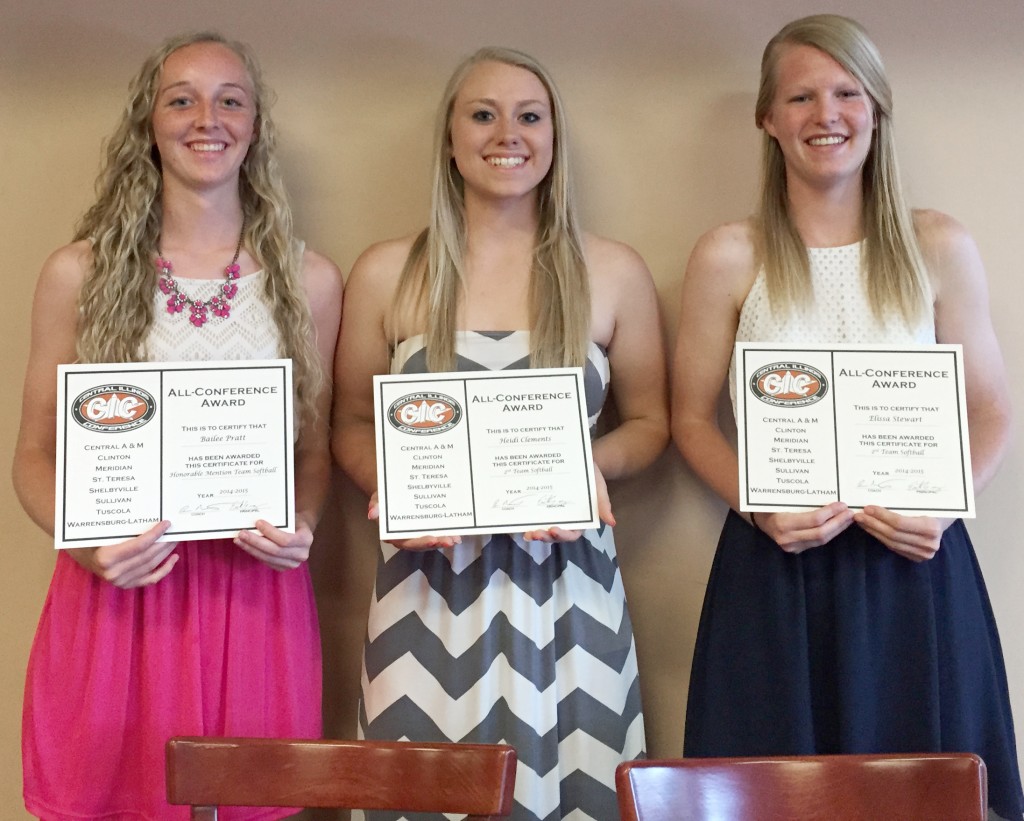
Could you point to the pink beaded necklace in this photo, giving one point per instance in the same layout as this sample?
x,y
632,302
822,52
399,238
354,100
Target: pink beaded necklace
x,y
177,301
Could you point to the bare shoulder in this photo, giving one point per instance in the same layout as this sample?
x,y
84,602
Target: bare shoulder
x,y
66,268
321,276
613,264
727,248
938,232
949,251
722,267
382,263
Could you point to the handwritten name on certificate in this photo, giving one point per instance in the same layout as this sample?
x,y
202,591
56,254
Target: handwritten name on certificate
x,y
206,445
483,452
860,424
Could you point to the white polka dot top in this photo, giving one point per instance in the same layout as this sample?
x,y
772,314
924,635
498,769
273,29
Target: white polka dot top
x,y
839,313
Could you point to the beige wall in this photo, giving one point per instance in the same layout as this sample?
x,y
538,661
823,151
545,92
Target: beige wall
x,y
660,95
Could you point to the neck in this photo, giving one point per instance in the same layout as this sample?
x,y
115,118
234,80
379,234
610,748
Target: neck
x,y
200,220
827,216
501,219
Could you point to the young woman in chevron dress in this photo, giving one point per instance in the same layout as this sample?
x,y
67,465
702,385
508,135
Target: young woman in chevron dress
x,y
521,638
833,630
188,254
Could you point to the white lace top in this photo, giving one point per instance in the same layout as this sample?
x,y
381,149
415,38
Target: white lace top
x,y
840,311
248,333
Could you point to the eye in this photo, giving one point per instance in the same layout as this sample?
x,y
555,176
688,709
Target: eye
x,y
233,102
530,117
850,93
178,102
483,115
800,98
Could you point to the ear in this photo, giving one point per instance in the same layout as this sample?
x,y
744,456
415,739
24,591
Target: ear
x,y
768,124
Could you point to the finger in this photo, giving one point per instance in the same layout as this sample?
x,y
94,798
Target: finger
x,y
426,542
552,534
152,578
277,558
277,548
604,502
916,538
121,567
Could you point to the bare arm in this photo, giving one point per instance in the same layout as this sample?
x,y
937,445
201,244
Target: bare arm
x,y
363,351
961,316
719,276
322,282
136,562
54,322
626,314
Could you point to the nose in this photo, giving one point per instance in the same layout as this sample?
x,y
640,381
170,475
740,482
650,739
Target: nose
x,y
206,114
509,134
827,111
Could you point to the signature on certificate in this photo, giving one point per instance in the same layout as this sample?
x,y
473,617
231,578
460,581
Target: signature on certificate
x,y
875,485
231,506
547,501
917,486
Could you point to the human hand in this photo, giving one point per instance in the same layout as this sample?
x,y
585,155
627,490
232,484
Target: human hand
x,y
917,538
796,532
604,512
279,549
136,562
420,542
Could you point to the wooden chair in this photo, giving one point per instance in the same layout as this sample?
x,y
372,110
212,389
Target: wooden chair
x,y
911,787
475,779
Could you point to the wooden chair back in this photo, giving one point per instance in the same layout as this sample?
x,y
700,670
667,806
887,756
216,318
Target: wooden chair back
x,y
474,779
925,787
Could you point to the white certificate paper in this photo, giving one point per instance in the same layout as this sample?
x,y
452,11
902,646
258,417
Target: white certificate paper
x,y
206,445
860,424
483,452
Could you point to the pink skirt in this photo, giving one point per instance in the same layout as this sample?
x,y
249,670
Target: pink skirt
x,y
224,645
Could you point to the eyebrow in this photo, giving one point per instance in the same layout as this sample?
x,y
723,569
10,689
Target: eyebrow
x,y
494,103
181,83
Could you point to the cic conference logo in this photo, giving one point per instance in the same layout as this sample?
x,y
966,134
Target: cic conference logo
x,y
113,408
788,384
424,414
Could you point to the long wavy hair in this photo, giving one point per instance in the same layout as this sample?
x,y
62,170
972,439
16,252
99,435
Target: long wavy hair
x,y
433,278
895,269
123,229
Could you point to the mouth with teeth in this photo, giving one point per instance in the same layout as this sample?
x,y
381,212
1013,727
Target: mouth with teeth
x,y
207,147
506,162
832,139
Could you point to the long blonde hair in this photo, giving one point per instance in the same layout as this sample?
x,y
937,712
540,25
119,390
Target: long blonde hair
x,y
895,269
433,278
123,229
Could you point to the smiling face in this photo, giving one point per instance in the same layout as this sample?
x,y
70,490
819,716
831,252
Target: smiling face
x,y
204,116
821,116
501,132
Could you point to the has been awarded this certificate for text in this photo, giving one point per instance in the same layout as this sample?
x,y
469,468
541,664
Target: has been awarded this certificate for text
x,y
206,445
483,452
860,424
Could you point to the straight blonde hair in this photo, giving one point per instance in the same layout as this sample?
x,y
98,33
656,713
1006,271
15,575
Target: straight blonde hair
x,y
433,278
115,310
895,269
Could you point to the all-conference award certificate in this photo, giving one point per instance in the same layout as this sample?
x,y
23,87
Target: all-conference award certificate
x,y
483,452
861,424
206,445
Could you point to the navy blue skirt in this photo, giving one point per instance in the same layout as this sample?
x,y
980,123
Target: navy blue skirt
x,y
850,648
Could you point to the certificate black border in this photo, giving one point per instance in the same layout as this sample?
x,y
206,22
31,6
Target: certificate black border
x,y
456,377
741,366
287,434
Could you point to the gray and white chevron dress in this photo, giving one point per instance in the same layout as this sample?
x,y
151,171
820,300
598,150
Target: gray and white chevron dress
x,y
500,640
